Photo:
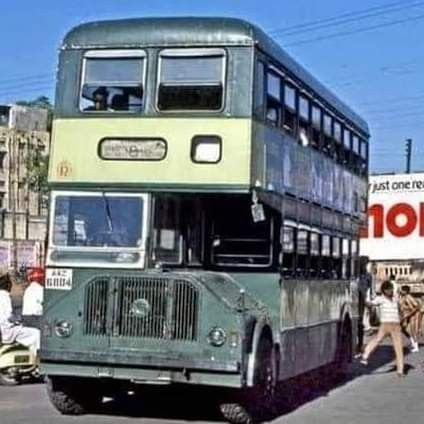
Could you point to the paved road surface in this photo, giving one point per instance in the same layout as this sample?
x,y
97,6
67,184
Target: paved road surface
x,y
374,396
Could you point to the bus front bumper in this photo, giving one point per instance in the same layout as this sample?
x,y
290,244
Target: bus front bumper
x,y
143,369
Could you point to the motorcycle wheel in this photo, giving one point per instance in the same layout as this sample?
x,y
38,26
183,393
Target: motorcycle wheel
x,y
8,379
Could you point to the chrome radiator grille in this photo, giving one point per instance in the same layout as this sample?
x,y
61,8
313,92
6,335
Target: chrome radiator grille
x,y
171,308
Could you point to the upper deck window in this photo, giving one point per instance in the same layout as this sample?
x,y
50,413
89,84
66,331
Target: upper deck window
x,y
304,108
191,80
113,81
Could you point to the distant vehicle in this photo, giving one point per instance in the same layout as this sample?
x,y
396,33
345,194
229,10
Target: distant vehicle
x,y
207,195
16,364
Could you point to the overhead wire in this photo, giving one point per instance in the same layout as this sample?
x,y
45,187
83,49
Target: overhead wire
x,y
346,18
356,31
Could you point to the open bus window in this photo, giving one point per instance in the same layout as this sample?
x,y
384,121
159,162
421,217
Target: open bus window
x,y
237,241
290,114
346,266
326,261
339,151
191,81
302,253
337,257
304,121
273,99
315,254
328,135
316,127
288,242
112,84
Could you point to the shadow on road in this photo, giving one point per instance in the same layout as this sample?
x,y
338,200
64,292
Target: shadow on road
x,y
194,404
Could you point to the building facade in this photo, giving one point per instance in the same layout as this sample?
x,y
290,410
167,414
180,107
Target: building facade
x,y
24,147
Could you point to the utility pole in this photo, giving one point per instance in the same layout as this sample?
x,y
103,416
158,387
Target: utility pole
x,y
408,151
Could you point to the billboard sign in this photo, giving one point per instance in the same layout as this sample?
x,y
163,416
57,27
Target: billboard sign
x,y
395,218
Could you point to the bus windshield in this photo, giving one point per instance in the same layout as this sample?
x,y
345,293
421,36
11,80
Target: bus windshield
x,y
91,221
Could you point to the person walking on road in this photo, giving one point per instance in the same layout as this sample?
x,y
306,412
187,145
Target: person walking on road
x,y
410,310
32,302
388,304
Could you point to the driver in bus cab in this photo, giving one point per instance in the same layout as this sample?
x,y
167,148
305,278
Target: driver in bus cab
x,y
11,330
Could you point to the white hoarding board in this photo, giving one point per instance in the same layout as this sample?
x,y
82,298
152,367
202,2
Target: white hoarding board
x,y
395,218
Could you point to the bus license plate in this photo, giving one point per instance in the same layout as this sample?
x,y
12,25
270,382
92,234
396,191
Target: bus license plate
x,y
21,359
59,279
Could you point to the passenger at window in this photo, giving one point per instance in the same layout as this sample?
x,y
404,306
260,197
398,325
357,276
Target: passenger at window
x,y
100,96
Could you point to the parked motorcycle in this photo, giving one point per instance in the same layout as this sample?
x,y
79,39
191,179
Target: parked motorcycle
x,y
16,364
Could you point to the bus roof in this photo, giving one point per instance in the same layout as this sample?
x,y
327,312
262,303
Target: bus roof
x,y
180,31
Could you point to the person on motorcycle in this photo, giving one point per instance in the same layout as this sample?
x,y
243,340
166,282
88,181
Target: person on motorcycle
x,y
11,330
32,306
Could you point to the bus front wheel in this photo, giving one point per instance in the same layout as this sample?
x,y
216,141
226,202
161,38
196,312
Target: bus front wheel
x,y
73,396
256,404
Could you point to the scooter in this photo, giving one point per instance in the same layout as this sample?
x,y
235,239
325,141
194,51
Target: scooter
x,y
16,364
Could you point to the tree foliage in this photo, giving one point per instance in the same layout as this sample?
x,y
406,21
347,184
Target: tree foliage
x,y
37,163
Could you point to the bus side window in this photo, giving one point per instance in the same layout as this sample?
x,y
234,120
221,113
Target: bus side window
x,y
290,110
337,258
346,262
363,153
302,266
315,255
168,236
338,145
328,145
354,258
273,99
347,145
304,121
326,261
288,241
356,154
316,127
259,96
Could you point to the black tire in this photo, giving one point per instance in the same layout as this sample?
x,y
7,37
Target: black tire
x,y
256,404
236,413
73,396
344,351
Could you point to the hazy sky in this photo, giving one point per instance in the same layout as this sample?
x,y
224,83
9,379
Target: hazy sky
x,y
373,61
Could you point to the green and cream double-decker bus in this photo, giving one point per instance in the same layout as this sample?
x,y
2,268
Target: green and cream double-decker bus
x,y
206,196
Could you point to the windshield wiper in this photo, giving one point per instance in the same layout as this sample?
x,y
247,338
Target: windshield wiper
x,y
108,213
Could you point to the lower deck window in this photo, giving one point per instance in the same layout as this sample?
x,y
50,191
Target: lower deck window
x,y
239,241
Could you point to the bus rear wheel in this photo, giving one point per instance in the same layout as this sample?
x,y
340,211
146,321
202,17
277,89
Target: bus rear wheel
x,y
73,396
256,404
344,351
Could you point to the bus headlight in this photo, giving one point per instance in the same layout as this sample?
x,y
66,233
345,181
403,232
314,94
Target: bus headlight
x,y
217,337
63,328
206,149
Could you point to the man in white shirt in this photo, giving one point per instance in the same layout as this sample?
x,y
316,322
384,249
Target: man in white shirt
x,y
10,330
32,306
